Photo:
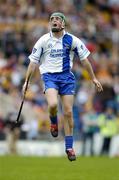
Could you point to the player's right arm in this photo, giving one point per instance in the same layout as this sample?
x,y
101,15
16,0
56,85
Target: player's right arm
x,y
30,71
34,61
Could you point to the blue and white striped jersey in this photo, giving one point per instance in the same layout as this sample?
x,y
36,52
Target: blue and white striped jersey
x,y
56,55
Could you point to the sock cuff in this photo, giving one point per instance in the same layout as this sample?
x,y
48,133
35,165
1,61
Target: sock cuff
x,y
68,137
68,142
53,119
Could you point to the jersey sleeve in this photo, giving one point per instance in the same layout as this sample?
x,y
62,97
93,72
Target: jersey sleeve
x,y
37,52
80,49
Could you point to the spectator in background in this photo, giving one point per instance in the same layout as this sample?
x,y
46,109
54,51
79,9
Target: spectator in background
x,y
12,131
2,135
89,128
106,97
108,128
32,133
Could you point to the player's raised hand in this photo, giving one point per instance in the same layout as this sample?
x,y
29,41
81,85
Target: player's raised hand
x,y
98,85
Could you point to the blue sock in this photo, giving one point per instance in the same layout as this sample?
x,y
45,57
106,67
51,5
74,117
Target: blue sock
x,y
68,142
53,119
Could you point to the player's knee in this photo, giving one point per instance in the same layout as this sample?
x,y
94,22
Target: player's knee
x,y
71,124
68,114
53,107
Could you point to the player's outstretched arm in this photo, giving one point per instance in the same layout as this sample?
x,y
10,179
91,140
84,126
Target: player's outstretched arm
x,y
86,64
31,69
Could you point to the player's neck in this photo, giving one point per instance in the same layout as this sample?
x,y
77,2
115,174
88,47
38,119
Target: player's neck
x,y
58,34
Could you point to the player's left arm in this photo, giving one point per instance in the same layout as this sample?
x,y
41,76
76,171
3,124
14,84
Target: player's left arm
x,y
87,65
81,50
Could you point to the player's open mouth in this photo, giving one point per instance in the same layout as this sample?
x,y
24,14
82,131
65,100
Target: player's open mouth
x,y
54,25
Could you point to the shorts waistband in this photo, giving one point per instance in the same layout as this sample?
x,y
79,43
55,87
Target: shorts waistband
x,y
67,71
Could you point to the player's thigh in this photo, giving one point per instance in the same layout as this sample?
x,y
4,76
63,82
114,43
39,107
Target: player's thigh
x,y
51,95
67,102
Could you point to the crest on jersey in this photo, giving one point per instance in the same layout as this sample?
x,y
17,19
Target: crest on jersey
x,y
67,46
82,47
50,45
34,50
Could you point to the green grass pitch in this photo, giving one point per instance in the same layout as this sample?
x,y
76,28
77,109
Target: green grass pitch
x,y
58,168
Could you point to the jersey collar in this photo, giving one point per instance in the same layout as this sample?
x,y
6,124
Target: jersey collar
x,y
51,34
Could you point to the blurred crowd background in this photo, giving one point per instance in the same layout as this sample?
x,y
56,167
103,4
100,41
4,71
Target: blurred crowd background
x,y
96,23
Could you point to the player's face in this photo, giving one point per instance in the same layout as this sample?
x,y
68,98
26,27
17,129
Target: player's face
x,y
56,24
